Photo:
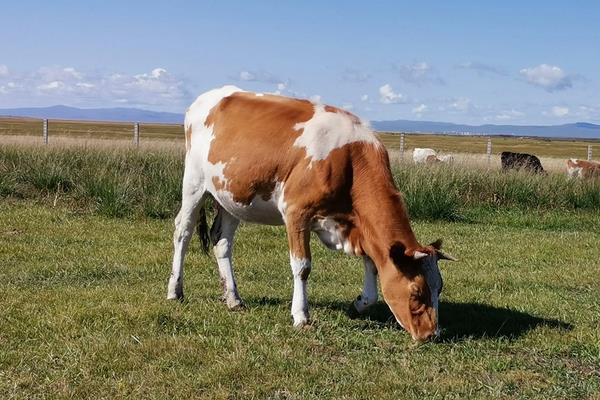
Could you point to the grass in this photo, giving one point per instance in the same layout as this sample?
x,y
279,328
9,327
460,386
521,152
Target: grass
x,y
122,182
85,251
84,314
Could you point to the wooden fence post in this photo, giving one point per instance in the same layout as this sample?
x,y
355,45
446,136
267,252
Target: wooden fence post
x,y
45,130
401,147
589,152
489,150
136,134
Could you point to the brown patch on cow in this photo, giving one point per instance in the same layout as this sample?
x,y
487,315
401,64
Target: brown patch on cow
x,y
353,117
589,169
431,159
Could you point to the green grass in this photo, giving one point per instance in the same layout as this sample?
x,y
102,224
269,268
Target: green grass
x,y
84,314
129,182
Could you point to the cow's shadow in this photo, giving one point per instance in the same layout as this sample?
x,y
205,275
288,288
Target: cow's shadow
x,y
459,321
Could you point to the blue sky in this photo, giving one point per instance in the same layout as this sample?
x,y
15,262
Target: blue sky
x,y
515,62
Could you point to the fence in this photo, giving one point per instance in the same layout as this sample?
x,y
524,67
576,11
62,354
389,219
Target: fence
x,y
140,133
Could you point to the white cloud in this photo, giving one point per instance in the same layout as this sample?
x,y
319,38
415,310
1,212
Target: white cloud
x,y
258,76
482,69
508,115
559,111
419,110
348,106
418,73
548,77
67,85
388,96
54,85
461,104
3,70
364,97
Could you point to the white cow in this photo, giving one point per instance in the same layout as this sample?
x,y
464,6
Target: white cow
x,y
429,156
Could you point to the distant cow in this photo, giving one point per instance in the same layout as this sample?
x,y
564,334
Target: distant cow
x,y
429,156
524,161
582,169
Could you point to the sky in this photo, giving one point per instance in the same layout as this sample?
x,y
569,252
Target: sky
x,y
475,62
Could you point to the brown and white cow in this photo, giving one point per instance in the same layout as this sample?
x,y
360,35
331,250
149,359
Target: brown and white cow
x,y
311,167
582,169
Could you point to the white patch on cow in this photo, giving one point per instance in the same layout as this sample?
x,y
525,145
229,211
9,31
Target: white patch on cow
x,y
330,234
369,294
574,171
200,108
420,154
447,158
300,268
327,131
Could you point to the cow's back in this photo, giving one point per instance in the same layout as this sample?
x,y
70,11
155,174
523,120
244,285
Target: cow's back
x,y
266,153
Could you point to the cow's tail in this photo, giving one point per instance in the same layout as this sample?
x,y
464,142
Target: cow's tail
x,y
203,228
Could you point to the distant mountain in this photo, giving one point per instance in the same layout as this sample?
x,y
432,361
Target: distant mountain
x,y
582,130
95,114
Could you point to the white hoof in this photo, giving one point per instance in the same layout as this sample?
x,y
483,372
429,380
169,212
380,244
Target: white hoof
x,y
300,321
174,291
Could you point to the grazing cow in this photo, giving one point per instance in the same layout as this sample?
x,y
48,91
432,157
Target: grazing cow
x,y
429,156
582,169
311,167
523,161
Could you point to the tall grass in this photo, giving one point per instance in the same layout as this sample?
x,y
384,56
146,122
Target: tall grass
x,y
128,182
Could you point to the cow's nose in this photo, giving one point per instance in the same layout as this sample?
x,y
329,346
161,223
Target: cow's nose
x,y
426,336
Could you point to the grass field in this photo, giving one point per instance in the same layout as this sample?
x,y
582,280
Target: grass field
x,y
85,316
85,251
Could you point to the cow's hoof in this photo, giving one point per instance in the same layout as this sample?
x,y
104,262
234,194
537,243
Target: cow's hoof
x,y
175,294
237,305
301,322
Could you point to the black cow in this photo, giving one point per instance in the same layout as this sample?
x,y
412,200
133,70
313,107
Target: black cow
x,y
524,161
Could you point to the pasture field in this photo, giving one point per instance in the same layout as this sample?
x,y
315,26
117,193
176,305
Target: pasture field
x,y
84,314
85,253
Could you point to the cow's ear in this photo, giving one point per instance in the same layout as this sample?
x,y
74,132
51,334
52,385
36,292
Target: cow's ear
x,y
445,256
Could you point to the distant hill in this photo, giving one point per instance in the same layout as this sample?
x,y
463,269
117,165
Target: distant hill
x,y
95,114
582,130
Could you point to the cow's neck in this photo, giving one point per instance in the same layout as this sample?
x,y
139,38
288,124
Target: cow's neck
x,y
381,214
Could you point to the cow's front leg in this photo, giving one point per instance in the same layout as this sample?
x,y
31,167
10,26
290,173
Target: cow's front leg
x,y
369,294
298,238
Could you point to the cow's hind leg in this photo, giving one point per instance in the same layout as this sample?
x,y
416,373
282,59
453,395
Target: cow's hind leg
x,y
369,294
222,234
185,222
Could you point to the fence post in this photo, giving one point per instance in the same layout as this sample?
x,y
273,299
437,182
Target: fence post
x,y
136,134
589,152
401,147
45,130
489,150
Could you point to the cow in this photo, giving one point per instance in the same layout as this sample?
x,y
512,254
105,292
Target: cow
x,y
275,160
430,156
582,169
521,161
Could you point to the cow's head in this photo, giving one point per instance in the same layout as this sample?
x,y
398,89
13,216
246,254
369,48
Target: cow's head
x,y
411,283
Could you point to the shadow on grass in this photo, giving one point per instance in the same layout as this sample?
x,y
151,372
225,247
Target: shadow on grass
x,y
459,321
